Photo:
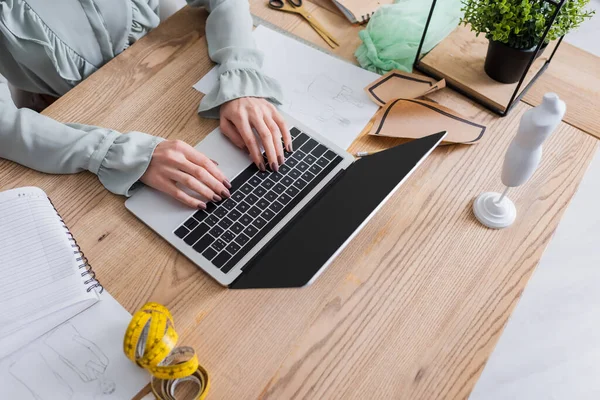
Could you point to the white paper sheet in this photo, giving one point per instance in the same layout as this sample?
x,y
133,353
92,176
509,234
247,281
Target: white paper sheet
x,y
80,359
320,91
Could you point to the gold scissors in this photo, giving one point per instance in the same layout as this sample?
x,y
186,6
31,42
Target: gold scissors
x,y
296,7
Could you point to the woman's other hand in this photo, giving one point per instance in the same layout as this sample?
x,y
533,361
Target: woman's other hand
x,y
240,116
176,162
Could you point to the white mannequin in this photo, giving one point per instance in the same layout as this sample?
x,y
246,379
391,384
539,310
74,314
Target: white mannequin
x,y
522,158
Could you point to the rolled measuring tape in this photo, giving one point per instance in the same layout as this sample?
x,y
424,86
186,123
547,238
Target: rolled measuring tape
x,y
150,342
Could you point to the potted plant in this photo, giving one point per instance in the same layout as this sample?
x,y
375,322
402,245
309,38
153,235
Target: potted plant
x,y
514,28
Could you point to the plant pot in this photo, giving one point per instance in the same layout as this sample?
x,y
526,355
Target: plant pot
x,y
506,64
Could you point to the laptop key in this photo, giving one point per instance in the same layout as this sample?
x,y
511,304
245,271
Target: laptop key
x,y
211,220
259,223
300,140
200,215
294,132
219,245
210,207
284,199
252,198
233,248
242,239
322,162
309,159
292,191
298,155
255,181
220,212
271,196
262,204
295,174
276,176
203,243
319,151
267,184
225,223
287,181
309,145
181,232
209,253
229,204
279,188
237,228
268,214
228,236
246,189
234,215
250,231
291,162
262,175
243,207
216,231
284,169
330,155
302,166
275,207
221,259
307,176
300,184
315,169
254,211
196,234
245,220
191,223
260,191
237,196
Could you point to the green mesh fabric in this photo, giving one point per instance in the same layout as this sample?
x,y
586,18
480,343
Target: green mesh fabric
x,y
392,36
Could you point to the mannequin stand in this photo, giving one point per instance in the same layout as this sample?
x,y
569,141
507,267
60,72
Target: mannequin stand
x,y
495,210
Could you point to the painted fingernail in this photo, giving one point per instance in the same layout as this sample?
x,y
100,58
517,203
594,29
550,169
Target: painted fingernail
x,y
225,193
202,206
290,148
274,167
216,163
281,160
227,184
217,198
262,167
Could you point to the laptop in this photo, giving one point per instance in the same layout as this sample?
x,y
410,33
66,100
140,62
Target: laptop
x,y
281,229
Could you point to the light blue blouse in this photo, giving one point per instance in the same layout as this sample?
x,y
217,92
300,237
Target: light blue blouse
x,y
48,47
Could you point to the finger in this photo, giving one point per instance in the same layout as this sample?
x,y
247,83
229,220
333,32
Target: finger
x,y
170,187
229,130
200,160
272,126
266,138
208,179
243,126
194,184
287,138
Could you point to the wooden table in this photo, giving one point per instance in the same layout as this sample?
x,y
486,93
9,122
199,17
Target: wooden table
x,y
411,309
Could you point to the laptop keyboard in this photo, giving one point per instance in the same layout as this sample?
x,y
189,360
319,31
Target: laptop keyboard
x,y
226,231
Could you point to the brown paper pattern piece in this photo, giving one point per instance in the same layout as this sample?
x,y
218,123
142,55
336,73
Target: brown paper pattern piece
x,y
413,119
401,85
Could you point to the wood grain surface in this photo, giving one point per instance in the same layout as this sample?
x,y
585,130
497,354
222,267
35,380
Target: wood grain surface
x,y
411,309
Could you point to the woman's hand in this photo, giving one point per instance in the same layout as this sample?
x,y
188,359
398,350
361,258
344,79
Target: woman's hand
x,y
176,162
240,116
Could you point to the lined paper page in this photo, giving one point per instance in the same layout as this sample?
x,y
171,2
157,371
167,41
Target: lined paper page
x,y
39,274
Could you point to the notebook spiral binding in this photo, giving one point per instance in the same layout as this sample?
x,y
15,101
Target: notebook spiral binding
x,y
365,18
91,283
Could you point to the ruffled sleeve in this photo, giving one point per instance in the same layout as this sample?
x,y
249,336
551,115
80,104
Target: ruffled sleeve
x,y
231,45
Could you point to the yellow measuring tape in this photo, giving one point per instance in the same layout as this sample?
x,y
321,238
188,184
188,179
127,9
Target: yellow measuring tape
x,y
150,342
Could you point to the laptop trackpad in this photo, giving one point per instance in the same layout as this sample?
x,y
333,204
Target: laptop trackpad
x,y
231,160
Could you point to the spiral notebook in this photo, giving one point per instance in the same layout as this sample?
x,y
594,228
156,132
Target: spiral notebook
x,y
44,277
61,334
359,11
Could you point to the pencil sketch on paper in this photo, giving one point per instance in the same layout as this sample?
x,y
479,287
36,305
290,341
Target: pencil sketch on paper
x,y
69,366
323,98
